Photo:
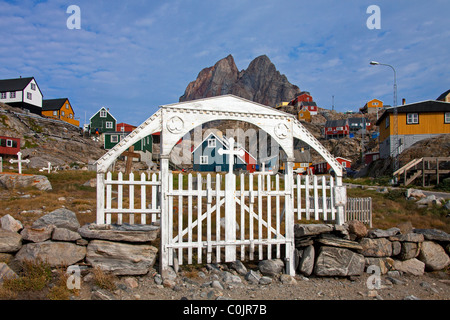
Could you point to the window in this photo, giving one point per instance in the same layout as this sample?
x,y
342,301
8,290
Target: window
x,y
33,86
109,124
29,96
67,106
3,95
9,143
412,118
55,113
344,164
103,113
114,138
340,128
387,121
211,143
12,95
71,116
203,159
447,117
62,113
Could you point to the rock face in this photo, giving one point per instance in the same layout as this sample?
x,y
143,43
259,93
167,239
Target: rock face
x,y
9,241
333,261
434,256
121,258
61,218
14,181
56,254
260,82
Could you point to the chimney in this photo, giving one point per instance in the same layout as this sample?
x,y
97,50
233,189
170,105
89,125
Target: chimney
x,y
403,101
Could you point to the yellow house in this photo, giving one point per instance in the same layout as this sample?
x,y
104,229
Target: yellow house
x,y
372,106
304,115
59,109
282,104
415,122
445,96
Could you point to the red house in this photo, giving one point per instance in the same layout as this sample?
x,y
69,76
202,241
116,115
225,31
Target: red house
x,y
304,99
370,157
9,145
124,127
336,129
250,161
324,167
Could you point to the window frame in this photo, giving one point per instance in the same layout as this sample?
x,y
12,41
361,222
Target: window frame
x,y
446,117
108,124
204,159
3,95
212,143
29,96
103,113
411,118
114,138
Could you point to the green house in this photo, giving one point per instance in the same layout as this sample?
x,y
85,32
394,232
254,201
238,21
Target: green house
x,y
113,138
102,122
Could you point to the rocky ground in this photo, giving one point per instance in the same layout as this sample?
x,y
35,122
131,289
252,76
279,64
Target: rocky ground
x,y
201,284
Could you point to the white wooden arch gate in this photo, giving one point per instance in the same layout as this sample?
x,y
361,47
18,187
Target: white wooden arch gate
x,y
174,121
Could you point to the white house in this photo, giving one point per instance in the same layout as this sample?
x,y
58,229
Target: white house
x,y
23,93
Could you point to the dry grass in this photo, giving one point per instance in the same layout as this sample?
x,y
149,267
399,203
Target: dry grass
x,y
104,280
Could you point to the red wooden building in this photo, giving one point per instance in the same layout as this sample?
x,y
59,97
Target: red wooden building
x,y
124,127
9,145
304,100
324,167
336,129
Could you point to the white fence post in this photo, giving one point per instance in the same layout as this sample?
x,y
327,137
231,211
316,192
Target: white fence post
x,y
100,198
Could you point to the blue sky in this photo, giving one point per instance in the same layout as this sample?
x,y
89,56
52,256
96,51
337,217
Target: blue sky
x,y
132,56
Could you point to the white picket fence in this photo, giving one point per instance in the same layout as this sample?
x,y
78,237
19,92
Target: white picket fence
x,y
121,198
196,211
359,209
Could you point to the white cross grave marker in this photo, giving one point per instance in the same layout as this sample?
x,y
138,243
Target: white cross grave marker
x,y
231,152
19,161
48,168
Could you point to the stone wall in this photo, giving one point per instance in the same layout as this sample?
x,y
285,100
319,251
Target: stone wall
x,y
331,250
321,249
58,239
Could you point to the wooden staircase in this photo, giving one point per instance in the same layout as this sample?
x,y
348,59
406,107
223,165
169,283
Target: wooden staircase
x,y
422,167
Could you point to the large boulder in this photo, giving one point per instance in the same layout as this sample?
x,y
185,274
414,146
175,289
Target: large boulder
x,y
332,261
20,181
56,254
121,258
301,230
125,233
9,223
271,267
380,247
411,266
40,234
61,218
10,241
434,256
306,264
434,234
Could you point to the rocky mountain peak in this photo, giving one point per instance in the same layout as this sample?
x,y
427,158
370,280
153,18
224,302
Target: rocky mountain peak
x,y
260,82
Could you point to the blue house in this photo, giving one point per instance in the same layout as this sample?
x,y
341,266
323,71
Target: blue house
x,y
207,158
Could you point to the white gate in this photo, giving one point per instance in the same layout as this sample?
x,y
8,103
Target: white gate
x,y
221,218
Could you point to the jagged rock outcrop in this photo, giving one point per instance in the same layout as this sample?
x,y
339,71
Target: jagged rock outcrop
x,y
260,82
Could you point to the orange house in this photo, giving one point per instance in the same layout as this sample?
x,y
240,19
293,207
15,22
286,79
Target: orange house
x,y
60,109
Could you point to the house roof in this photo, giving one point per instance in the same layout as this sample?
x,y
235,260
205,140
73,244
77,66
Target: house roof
x,y
308,103
53,104
417,107
99,111
357,121
442,96
14,84
336,123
